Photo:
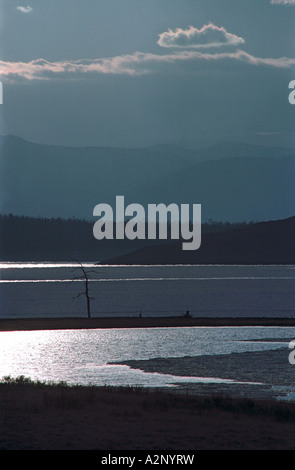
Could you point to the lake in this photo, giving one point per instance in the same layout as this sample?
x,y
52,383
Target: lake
x,y
48,290
243,361
128,357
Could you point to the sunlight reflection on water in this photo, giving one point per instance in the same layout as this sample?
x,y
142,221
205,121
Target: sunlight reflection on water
x,y
84,356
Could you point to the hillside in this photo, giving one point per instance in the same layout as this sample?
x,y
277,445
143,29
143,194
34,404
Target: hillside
x,y
40,239
262,243
36,239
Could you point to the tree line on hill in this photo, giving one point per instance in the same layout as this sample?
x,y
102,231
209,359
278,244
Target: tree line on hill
x,y
56,239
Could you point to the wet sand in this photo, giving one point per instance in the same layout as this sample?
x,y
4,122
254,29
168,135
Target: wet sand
x,y
261,374
136,322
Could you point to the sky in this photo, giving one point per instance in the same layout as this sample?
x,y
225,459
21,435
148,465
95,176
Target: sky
x,y
135,73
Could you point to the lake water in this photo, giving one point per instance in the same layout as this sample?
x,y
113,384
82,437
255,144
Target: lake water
x,y
48,290
98,357
251,361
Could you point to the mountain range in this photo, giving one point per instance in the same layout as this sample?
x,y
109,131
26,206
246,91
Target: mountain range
x,y
232,182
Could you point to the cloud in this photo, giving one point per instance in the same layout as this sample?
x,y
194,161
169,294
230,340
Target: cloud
x,y
282,2
26,9
133,65
208,36
41,69
141,63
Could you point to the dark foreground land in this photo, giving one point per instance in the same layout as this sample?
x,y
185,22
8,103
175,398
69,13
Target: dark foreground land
x,y
59,417
136,322
40,416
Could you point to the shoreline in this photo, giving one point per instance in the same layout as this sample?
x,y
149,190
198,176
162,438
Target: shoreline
x,y
40,416
29,324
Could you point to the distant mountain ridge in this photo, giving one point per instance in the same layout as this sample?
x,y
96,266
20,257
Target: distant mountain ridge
x,y
264,243
39,239
233,182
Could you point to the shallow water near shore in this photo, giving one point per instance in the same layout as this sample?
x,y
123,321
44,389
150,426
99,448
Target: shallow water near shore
x,y
241,361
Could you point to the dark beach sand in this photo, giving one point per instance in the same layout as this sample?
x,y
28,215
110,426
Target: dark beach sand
x,y
136,322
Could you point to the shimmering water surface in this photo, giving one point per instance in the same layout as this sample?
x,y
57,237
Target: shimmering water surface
x,y
51,289
86,356
97,356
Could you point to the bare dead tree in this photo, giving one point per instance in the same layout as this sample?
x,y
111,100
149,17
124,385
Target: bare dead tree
x,y
85,277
